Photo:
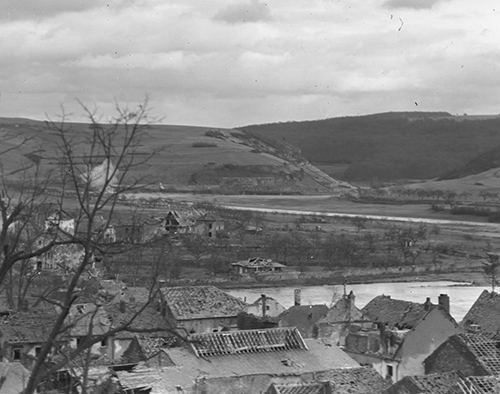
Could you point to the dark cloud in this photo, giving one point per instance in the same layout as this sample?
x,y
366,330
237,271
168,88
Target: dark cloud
x,y
254,11
415,4
37,9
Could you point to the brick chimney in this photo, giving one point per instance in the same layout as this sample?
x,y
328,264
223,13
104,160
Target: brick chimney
x,y
296,296
428,304
444,302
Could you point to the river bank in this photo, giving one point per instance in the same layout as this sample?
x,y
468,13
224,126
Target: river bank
x,y
471,278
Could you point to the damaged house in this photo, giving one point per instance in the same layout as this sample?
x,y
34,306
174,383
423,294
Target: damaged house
x,y
406,334
248,361
200,309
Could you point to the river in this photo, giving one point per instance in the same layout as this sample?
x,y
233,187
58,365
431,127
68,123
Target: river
x,y
462,296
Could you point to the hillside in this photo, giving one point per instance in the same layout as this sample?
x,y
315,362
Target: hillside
x,y
388,146
483,162
186,158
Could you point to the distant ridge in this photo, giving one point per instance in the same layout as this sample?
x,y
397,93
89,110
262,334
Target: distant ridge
x,y
389,146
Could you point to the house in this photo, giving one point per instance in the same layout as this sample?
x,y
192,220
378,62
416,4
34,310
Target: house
x,y
265,306
23,334
201,309
407,333
340,318
13,377
208,225
60,258
255,265
304,317
436,383
471,354
182,220
248,361
484,315
60,222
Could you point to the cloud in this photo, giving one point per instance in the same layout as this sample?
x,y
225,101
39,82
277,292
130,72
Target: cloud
x,y
254,11
36,9
413,4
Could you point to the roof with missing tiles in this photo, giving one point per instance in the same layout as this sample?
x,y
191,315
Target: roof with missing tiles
x,y
361,380
301,388
201,302
320,355
484,313
436,383
481,351
395,313
247,341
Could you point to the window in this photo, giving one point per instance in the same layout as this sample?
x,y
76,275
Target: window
x,y
16,353
103,343
267,307
390,371
38,349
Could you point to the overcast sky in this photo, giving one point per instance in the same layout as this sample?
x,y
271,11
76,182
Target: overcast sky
x,y
228,63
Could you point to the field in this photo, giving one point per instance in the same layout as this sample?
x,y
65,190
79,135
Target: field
x,y
183,157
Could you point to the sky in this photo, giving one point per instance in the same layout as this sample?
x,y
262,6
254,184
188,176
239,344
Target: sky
x,y
222,63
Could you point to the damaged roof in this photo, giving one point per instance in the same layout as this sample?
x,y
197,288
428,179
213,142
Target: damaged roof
x,y
395,313
360,380
189,369
301,388
201,302
484,313
259,262
481,351
436,383
246,341
477,385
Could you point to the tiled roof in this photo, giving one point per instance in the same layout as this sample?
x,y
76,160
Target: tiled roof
x,y
304,388
395,313
149,320
247,341
479,385
485,313
320,355
436,383
201,302
362,380
304,317
27,327
485,350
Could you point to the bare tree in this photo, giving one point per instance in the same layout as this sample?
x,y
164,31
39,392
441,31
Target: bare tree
x,y
96,169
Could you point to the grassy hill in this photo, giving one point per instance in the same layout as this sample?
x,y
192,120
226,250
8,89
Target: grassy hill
x,y
389,146
186,158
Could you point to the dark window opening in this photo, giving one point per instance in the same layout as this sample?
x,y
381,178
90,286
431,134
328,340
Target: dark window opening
x,y
390,371
38,349
16,354
103,342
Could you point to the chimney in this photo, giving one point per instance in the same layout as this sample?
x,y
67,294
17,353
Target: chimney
x,y
444,302
427,304
296,295
351,297
264,304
